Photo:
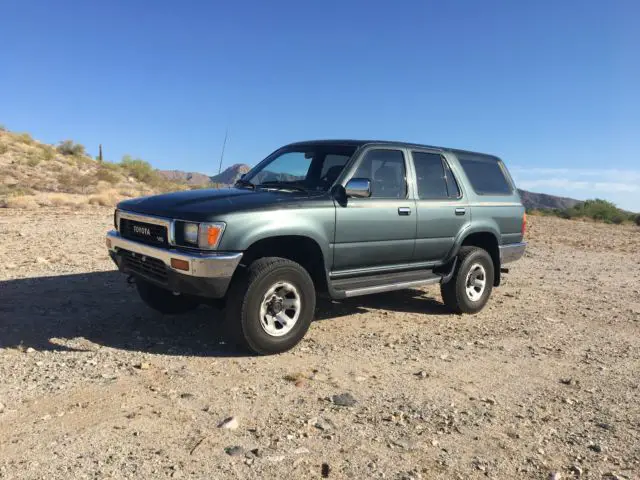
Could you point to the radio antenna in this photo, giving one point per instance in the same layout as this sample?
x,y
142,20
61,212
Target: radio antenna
x,y
224,144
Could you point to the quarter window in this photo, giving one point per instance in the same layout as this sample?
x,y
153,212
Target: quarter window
x,y
486,175
386,171
434,177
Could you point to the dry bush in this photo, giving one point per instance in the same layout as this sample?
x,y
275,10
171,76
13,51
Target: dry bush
x,y
48,152
4,148
25,138
107,175
22,202
64,200
105,199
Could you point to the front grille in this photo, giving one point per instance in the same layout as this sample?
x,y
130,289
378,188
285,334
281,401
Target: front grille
x,y
142,232
146,266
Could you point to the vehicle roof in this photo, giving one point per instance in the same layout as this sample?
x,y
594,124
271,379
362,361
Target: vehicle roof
x,y
387,143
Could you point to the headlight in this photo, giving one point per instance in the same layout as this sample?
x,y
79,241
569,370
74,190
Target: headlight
x,y
191,233
203,235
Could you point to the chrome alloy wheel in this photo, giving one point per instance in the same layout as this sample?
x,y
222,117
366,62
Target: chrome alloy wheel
x,y
476,282
280,309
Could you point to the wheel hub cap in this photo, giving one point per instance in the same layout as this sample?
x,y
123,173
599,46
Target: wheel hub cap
x,y
476,282
280,309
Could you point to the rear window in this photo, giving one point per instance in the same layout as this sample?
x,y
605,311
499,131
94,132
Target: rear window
x,y
486,175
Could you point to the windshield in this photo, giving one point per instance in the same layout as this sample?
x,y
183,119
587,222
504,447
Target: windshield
x,y
309,168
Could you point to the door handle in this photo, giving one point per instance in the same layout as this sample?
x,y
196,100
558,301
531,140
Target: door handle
x,y
461,211
404,211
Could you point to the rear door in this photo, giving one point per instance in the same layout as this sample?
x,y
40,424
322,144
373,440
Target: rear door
x,y
442,209
378,231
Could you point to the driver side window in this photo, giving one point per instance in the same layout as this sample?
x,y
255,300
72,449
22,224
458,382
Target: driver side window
x,y
386,171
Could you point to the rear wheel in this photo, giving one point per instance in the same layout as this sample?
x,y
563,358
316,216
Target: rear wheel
x,y
270,305
470,287
163,300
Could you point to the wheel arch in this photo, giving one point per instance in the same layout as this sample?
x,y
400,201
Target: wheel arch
x,y
487,239
301,249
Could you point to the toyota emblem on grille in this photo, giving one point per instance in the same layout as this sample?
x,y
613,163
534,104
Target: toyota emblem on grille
x,y
142,230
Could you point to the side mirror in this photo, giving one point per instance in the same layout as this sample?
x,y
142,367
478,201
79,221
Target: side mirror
x,y
358,188
242,176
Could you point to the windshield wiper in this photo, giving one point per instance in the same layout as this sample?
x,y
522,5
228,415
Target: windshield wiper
x,y
282,186
245,183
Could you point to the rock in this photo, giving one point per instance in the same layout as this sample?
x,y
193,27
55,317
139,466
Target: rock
x,y
186,395
404,443
323,425
576,470
567,381
595,447
234,451
490,401
605,426
344,400
612,476
555,476
230,423
301,451
142,366
41,260
325,470
2,407
421,374
30,350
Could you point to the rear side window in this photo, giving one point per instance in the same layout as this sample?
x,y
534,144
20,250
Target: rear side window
x,y
434,178
486,176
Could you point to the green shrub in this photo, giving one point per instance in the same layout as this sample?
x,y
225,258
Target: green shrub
x,y
637,220
48,153
3,128
68,147
139,169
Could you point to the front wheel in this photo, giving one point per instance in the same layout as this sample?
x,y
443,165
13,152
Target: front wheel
x,y
270,305
469,289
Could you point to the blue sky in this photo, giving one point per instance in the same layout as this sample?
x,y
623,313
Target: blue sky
x,y
551,87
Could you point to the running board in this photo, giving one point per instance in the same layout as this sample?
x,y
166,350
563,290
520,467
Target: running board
x,y
353,287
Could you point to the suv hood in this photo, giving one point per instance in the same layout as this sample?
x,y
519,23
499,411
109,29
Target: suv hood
x,y
205,205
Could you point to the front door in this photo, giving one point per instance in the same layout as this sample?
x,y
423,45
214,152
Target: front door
x,y
442,211
380,230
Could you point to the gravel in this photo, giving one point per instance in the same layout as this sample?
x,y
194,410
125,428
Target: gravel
x,y
543,381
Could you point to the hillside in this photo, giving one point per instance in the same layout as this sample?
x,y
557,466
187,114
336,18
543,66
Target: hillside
x,y
540,201
35,174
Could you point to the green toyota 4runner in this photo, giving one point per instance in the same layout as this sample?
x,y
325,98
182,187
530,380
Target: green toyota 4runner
x,y
339,218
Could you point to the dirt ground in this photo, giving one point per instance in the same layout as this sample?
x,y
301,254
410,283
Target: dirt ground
x,y
544,383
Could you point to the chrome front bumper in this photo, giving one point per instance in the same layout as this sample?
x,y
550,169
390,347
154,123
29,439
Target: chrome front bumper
x,y
512,252
204,265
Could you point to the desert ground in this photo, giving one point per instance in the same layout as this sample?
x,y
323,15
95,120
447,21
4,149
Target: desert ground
x,y
544,383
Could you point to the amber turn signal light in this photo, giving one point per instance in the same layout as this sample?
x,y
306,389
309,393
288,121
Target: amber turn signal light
x,y
213,234
180,264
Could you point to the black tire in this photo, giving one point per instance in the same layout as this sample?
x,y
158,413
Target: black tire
x,y
163,300
245,298
454,292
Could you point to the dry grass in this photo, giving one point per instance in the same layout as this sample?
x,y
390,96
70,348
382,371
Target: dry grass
x,y
105,199
25,202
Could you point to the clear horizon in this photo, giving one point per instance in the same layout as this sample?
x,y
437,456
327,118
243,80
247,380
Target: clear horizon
x,y
549,87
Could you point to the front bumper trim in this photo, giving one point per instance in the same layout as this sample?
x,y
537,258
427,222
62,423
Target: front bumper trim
x,y
204,265
511,252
